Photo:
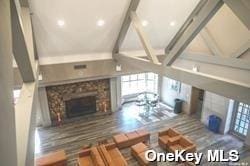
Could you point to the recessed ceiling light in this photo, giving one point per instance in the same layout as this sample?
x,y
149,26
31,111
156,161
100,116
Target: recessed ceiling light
x,y
172,23
60,23
100,23
144,23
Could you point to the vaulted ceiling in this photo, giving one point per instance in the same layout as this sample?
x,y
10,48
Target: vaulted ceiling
x,y
80,36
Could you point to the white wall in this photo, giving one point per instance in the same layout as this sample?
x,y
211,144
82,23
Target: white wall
x,y
220,106
247,141
45,115
168,95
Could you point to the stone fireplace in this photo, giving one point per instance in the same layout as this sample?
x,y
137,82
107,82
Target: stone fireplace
x,y
78,99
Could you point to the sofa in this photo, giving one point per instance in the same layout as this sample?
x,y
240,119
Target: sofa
x,y
90,157
111,155
164,137
102,155
138,151
57,158
182,143
125,140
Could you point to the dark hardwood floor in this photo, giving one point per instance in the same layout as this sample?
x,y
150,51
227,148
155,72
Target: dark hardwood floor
x,y
72,136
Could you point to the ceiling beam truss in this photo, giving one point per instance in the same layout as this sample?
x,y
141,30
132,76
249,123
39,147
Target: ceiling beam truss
x,y
224,61
136,22
224,87
241,8
210,41
204,11
125,26
20,49
244,48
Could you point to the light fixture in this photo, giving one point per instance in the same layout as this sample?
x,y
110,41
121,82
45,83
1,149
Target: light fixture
x,y
195,68
172,23
60,23
100,23
144,23
118,67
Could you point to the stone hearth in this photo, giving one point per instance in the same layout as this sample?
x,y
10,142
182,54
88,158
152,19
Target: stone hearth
x,y
59,94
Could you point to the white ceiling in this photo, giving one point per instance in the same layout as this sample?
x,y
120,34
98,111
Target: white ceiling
x,y
159,14
81,39
81,36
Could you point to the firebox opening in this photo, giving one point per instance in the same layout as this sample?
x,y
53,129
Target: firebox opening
x,y
80,106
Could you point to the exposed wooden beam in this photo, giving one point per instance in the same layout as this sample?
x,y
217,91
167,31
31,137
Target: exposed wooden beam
x,y
25,113
34,39
125,26
185,25
143,37
20,49
194,24
224,61
241,8
24,3
241,50
211,43
231,89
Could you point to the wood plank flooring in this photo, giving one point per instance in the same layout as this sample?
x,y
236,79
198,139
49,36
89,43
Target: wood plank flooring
x,y
72,136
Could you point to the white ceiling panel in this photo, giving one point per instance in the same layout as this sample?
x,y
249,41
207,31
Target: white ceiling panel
x,y
163,18
78,33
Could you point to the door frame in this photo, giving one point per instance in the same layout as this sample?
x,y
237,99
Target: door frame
x,y
232,131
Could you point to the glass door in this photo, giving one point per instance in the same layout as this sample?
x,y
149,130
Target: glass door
x,y
241,119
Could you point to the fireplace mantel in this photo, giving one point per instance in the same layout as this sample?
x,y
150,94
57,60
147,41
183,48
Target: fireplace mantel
x,y
79,95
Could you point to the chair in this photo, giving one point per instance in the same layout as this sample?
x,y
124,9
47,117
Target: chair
x,y
57,158
90,157
166,136
138,151
128,139
182,144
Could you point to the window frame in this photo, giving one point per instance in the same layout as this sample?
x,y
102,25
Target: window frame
x,y
233,123
146,80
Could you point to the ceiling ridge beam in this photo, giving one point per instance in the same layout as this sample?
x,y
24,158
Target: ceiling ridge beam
x,y
20,49
228,88
224,61
196,22
136,22
241,9
125,26
241,50
211,43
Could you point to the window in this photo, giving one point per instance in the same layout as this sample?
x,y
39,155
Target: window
x,y
241,121
137,83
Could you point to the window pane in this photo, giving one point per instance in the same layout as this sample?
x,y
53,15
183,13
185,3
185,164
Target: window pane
x,y
137,83
151,76
142,85
125,88
141,76
125,78
241,123
133,77
150,86
133,87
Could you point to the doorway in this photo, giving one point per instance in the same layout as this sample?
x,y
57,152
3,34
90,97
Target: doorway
x,y
241,119
197,98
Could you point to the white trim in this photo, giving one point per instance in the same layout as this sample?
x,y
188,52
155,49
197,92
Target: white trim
x,y
59,59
